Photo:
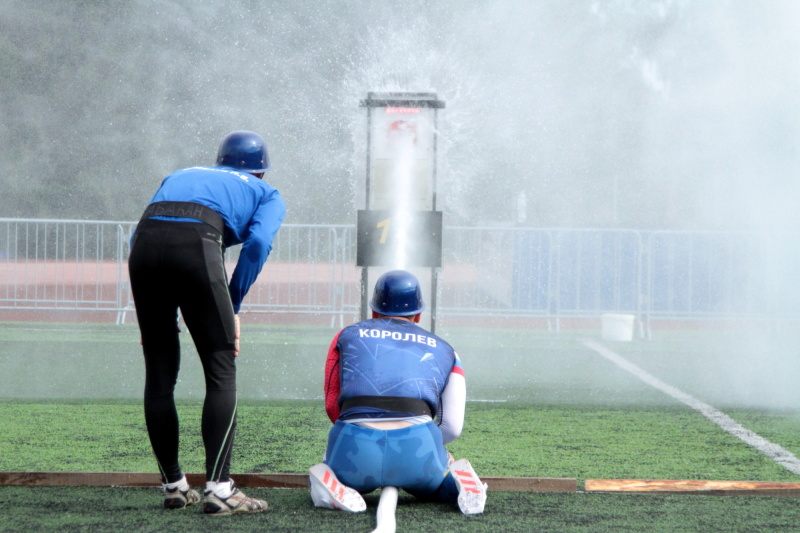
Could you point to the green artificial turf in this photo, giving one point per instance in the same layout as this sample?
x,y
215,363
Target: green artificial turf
x,y
518,440
100,510
541,404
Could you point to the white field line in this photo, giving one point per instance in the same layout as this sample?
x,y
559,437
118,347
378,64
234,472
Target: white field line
x,y
780,455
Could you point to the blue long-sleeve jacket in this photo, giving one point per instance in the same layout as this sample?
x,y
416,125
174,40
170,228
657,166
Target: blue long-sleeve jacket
x,y
252,209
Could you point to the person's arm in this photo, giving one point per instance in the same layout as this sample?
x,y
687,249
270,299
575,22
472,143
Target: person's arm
x,y
332,384
454,402
256,247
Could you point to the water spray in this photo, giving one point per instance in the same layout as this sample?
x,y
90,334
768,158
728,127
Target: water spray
x,y
385,518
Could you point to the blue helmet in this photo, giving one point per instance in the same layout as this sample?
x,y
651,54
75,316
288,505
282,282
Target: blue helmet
x,y
397,293
245,151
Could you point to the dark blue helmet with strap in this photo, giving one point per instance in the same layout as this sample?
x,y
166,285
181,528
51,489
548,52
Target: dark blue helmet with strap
x,y
245,151
397,293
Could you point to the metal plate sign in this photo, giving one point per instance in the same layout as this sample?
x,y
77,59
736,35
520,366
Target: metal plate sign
x,y
399,239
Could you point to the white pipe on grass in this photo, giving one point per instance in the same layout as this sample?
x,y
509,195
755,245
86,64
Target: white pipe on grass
x,y
387,505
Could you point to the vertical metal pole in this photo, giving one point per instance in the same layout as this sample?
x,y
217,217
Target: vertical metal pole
x,y
434,283
364,281
369,150
365,269
434,270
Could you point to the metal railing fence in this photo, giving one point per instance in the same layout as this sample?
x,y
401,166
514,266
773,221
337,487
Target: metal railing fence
x,y
77,265
63,264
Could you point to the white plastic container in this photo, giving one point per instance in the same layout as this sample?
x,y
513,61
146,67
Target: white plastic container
x,y
617,327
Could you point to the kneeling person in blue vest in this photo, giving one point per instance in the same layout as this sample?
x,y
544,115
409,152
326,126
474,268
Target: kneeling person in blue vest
x,y
396,395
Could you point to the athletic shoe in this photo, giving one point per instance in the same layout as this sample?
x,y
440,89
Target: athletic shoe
x,y
471,492
329,493
178,499
237,502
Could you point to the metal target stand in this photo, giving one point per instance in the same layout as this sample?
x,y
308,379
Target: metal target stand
x,y
399,226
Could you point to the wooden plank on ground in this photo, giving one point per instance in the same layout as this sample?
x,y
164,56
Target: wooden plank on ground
x,y
279,481
692,486
80,479
133,479
531,484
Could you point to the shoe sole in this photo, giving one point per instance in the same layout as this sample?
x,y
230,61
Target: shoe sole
x,y
343,497
238,510
471,492
224,509
179,502
176,503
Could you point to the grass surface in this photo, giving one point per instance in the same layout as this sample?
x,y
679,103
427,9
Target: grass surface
x,y
541,404
99,510
519,440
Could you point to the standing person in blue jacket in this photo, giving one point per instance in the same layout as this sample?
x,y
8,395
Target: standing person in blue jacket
x,y
396,395
177,263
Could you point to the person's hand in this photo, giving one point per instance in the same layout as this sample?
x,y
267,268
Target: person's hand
x,y
236,342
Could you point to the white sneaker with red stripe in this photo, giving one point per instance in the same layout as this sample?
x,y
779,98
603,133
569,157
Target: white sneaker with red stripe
x,y
329,493
471,492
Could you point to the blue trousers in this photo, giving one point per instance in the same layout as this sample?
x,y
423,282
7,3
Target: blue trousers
x,y
413,459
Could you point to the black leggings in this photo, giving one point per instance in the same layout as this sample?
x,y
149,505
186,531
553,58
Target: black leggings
x,y
180,265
